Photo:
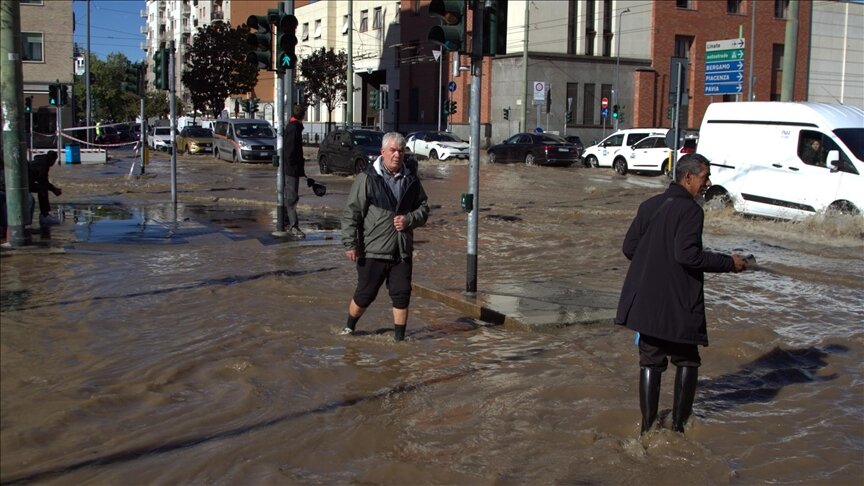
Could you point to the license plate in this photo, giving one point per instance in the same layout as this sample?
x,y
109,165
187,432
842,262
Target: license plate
x,y
563,150
262,154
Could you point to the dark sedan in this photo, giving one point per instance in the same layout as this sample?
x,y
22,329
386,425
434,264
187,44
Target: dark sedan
x,y
534,149
349,151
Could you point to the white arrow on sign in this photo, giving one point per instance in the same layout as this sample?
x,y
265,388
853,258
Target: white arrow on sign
x,y
722,45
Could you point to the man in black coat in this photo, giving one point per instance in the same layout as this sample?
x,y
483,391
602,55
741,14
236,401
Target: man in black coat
x,y
662,298
293,168
39,183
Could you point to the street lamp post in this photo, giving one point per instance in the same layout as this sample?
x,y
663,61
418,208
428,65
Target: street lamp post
x,y
617,67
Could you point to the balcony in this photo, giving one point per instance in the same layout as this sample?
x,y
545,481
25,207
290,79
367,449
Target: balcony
x,y
143,14
217,15
143,29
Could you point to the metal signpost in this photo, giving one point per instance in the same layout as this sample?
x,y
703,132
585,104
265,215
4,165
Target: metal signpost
x,y
724,67
539,97
604,114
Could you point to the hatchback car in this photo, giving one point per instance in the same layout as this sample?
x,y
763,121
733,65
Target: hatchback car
x,y
603,153
534,149
195,140
437,145
349,151
651,154
160,138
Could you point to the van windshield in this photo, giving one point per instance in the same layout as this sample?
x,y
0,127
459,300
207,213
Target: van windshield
x,y
254,130
854,139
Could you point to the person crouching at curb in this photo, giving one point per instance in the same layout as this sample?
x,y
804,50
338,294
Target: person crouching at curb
x,y
663,297
39,183
385,204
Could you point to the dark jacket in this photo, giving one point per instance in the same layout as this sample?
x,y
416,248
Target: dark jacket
x,y
367,224
663,293
295,165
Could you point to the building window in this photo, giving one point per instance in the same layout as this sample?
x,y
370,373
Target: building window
x,y
376,19
364,20
345,25
776,71
590,32
607,28
32,46
733,6
572,95
781,8
318,29
305,35
416,7
589,104
683,43
684,4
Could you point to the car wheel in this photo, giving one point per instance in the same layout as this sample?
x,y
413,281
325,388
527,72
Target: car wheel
x,y
620,165
844,207
188,152
666,168
322,164
359,165
718,198
433,155
493,158
591,161
529,159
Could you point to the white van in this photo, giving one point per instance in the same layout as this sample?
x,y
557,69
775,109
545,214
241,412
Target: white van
x,y
603,153
244,140
785,159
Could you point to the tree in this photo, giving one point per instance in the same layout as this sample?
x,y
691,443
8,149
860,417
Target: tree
x,y
110,102
216,67
324,72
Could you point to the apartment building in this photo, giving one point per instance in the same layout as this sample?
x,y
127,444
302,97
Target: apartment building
x,y
47,48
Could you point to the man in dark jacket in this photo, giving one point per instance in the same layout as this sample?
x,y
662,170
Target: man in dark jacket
x,y
293,168
385,204
662,297
39,183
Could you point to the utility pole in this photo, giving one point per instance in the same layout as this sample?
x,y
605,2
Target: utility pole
x,y
787,87
478,26
172,104
349,76
14,143
524,122
88,103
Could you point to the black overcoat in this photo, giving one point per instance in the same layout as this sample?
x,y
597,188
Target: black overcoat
x,y
295,165
663,293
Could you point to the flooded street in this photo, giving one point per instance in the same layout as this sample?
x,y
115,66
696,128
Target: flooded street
x,y
145,345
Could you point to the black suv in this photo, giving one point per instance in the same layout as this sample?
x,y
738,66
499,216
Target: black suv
x,y
349,151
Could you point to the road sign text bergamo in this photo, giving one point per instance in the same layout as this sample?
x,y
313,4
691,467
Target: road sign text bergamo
x,y
724,66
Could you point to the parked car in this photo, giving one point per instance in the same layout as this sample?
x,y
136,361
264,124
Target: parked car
x,y
575,140
244,140
124,133
349,150
437,145
651,154
195,140
534,149
603,153
160,138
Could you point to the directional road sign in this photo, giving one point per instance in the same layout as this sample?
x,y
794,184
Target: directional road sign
x,y
604,113
451,86
724,66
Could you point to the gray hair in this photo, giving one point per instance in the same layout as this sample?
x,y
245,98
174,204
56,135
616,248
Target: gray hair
x,y
393,137
691,163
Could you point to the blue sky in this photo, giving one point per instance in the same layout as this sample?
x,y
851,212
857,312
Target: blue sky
x,y
115,26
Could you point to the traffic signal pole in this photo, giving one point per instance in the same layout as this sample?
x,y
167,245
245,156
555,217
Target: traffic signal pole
x,y
478,24
173,107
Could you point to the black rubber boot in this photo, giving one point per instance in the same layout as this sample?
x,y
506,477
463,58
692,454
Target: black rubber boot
x,y
685,391
649,395
400,332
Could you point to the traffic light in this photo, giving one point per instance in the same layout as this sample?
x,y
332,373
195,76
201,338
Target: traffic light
x,y
495,28
374,96
28,104
506,113
132,81
253,105
451,34
615,111
160,68
286,41
64,94
445,107
261,41
569,116
452,107
54,94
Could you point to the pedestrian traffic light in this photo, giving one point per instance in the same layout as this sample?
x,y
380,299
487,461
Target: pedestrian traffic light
x,y
64,94
615,111
286,41
373,99
54,94
451,34
261,41
569,116
452,107
506,113
28,104
160,68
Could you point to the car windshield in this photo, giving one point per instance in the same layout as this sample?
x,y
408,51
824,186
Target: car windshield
x,y
162,131
198,132
854,139
367,139
444,137
254,130
550,138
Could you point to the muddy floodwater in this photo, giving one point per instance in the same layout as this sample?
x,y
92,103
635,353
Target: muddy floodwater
x,y
146,345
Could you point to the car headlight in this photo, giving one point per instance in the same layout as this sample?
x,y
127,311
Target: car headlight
x,y
371,157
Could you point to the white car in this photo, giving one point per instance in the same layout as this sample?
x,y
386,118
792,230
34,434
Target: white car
x,y
651,154
437,145
603,153
160,139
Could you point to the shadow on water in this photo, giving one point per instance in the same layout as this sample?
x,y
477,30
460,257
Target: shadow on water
x,y
761,380
17,298
185,443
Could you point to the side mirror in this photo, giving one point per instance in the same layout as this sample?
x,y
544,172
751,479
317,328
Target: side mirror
x,y
833,160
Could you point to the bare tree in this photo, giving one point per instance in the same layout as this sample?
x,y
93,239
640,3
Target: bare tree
x,y
324,72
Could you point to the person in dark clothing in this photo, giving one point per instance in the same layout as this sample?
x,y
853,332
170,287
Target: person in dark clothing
x,y
812,153
385,204
293,168
663,298
39,183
